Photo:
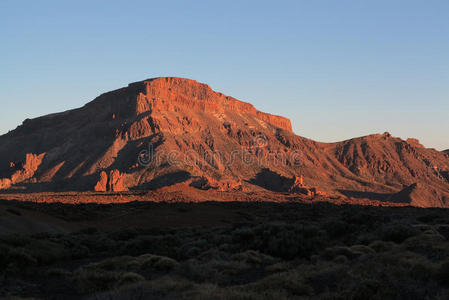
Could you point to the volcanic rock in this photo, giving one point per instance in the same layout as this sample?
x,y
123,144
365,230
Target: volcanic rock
x,y
414,142
206,183
167,131
26,170
111,183
5,183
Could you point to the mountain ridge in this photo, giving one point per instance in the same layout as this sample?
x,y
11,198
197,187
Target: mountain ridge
x,y
169,130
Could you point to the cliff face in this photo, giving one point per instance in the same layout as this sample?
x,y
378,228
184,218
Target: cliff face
x,y
175,94
166,131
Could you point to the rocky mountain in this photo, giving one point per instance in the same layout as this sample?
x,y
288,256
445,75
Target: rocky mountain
x,y
165,131
396,164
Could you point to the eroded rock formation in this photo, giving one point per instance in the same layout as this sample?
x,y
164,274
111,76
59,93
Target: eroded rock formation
x,y
24,171
206,183
112,182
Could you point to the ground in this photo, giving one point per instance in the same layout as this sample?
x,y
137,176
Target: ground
x,y
220,250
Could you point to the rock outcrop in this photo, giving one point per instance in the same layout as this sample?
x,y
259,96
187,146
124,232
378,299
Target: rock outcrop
x,y
23,171
206,183
110,183
414,142
5,183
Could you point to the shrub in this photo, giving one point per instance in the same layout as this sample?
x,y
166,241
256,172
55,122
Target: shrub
x,y
94,280
338,228
129,278
58,272
443,230
116,263
397,232
157,262
20,258
254,257
434,246
442,273
292,282
285,241
362,249
381,246
333,252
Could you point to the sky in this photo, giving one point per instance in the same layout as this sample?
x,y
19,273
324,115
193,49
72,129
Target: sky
x,y
337,68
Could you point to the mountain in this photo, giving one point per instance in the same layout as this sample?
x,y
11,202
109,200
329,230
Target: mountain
x,y
396,164
167,131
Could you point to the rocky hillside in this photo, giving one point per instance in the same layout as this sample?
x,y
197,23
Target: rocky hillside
x,y
165,131
396,164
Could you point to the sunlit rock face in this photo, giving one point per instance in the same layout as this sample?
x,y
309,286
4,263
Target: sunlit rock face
x,y
166,131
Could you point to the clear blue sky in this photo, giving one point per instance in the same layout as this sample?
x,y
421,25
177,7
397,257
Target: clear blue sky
x,y
338,69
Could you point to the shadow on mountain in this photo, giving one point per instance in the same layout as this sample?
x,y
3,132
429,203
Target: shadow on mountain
x,y
165,180
79,184
366,195
272,181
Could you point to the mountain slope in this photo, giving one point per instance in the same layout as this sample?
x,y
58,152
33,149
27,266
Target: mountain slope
x,y
164,131
396,164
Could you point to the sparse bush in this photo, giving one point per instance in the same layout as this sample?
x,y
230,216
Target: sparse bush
x,y
381,246
94,280
434,246
292,282
442,273
338,228
58,272
341,259
362,249
129,278
285,241
116,263
397,232
19,258
443,230
333,252
157,262
254,257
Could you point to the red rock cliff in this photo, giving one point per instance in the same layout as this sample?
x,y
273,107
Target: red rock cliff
x,y
171,93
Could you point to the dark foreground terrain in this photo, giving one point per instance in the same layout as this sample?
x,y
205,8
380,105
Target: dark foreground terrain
x,y
212,250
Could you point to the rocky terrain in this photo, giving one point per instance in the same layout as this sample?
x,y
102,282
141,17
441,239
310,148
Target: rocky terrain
x,y
166,189
222,250
173,131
